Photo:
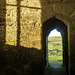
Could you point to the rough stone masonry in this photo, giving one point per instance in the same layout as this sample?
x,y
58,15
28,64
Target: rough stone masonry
x,y
21,44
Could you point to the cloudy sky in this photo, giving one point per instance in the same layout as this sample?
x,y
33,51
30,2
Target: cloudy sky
x,y
54,33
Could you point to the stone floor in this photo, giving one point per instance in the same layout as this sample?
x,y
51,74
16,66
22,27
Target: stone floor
x,y
55,69
55,63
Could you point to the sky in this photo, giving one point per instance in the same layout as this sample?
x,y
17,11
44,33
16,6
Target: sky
x,y
54,33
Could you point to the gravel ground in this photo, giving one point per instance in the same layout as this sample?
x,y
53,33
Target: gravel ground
x,y
55,64
55,69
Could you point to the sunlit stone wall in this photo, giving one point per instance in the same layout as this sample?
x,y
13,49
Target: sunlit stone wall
x,y
30,23
11,2
11,25
31,3
30,27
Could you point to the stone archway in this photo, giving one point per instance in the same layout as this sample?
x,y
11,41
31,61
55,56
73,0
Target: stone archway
x,y
48,25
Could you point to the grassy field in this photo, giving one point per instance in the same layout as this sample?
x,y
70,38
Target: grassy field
x,y
55,48
54,57
55,42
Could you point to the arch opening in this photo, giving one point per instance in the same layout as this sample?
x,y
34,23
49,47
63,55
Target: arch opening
x,y
55,49
48,26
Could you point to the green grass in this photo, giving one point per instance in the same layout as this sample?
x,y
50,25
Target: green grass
x,y
61,64
55,57
60,60
55,42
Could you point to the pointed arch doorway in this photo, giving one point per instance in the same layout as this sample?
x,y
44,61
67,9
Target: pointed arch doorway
x,y
49,25
55,49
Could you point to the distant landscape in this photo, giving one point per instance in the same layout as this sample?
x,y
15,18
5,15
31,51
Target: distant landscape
x,y
55,42
55,51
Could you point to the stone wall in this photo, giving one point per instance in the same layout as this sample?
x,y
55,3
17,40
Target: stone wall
x,y
2,23
63,10
20,37
21,24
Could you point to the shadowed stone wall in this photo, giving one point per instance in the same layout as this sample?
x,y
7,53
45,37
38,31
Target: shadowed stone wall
x,y
21,24
63,10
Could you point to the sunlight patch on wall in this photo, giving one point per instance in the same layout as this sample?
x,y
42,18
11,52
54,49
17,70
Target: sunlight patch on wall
x,y
11,25
31,3
30,35
30,23
11,1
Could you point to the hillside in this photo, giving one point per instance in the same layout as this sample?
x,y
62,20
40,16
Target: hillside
x,y
55,48
55,43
